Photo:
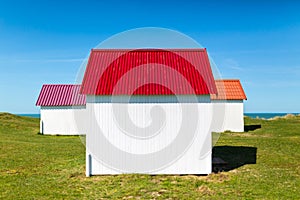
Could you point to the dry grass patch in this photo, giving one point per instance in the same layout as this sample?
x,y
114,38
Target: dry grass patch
x,y
205,190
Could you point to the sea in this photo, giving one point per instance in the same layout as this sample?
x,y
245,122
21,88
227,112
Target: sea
x,y
252,115
267,115
30,115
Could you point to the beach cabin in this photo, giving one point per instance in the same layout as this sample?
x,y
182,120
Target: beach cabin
x,y
148,111
62,110
230,98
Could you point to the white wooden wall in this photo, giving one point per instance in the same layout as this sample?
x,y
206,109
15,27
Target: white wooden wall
x,y
234,116
195,160
63,120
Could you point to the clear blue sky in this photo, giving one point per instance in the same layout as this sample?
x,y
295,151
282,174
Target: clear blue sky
x,y
256,42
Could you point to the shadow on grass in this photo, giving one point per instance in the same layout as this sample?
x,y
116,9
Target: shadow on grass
x,y
235,156
252,127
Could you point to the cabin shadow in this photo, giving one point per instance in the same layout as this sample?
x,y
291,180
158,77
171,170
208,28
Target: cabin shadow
x,y
252,127
226,158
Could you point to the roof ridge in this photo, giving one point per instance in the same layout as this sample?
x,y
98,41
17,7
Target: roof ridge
x,y
149,49
227,79
64,84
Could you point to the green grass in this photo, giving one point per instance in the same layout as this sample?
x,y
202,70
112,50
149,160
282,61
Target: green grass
x,y
34,166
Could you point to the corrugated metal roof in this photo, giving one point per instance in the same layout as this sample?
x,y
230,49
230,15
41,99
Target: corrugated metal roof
x,y
60,95
229,90
148,72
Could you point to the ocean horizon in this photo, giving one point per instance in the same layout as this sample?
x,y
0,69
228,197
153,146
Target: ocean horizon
x,y
267,115
252,115
30,115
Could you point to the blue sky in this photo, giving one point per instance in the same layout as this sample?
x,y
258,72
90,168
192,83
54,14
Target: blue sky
x,y
256,42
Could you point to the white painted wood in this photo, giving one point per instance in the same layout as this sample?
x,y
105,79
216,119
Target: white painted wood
x,y
195,160
63,120
234,115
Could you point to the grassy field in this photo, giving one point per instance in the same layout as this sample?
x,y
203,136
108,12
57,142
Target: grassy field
x,y
263,164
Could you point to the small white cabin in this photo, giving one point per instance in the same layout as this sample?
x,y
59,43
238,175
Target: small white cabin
x,y
62,110
230,101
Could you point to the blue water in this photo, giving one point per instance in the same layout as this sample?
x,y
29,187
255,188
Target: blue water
x,y
267,115
30,115
252,115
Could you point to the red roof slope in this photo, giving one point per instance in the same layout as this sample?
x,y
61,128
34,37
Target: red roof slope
x,y
229,90
148,72
60,95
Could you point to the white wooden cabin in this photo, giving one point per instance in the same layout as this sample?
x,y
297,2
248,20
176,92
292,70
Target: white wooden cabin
x,y
62,110
230,101
148,111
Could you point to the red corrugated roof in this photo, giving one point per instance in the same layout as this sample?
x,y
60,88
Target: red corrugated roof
x,y
148,72
60,95
229,90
